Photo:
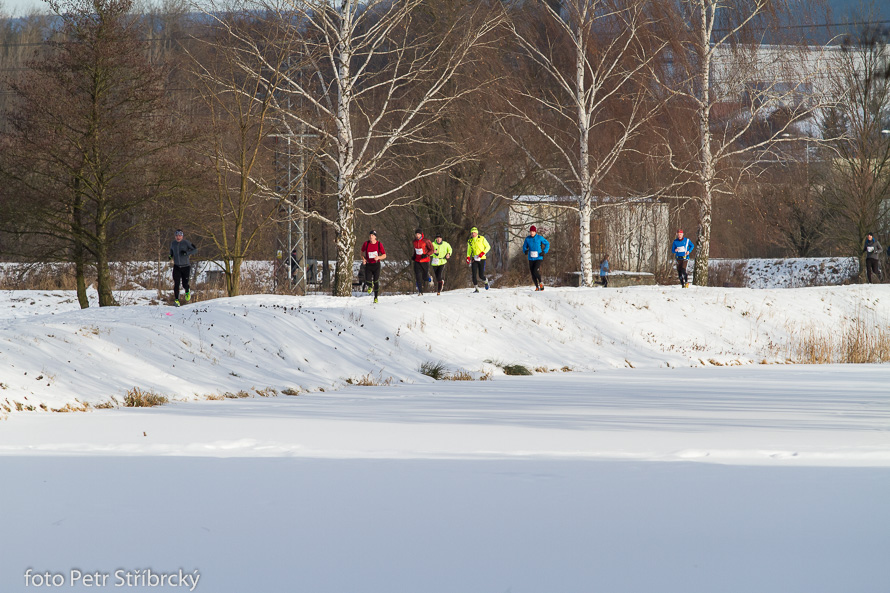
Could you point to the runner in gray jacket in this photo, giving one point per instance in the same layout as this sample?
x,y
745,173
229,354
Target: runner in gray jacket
x,y
180,250
872,249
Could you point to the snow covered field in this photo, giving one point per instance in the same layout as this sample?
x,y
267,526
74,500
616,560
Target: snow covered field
x,y
55,356
676,475
568,482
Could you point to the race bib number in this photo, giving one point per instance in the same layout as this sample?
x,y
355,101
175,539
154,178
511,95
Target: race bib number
x,y
372,255
477,258
870,248
533,253
681,250
435,261
418,251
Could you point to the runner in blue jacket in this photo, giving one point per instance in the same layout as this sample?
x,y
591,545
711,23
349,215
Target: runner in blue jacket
x,y
535,246
682,248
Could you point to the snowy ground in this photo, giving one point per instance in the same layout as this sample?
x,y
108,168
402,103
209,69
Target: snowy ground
x,y
55,356
567,482
676,475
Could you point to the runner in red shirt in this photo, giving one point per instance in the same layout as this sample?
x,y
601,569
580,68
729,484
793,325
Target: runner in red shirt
x,y
423,249
372,254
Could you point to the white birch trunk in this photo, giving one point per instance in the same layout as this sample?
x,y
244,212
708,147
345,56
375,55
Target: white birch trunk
x,y
345,159
585,205
706,174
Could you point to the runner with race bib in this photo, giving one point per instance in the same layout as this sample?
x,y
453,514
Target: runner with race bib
x,y
535,246
423,248
372,254
441,255
477,247
682,249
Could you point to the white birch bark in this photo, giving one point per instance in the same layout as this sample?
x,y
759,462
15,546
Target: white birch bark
x,y
722,157
580,97
706,176
373,85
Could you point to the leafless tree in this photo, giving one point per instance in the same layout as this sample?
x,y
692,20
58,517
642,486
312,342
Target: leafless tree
x,y
89,143
240,138
593,55
733,84
377,82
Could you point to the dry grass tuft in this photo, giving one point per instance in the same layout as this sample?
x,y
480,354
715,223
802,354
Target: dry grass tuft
x,y
728,274
458,376
369,380
516,370
435,370
139,398
861,340
69,407
239,395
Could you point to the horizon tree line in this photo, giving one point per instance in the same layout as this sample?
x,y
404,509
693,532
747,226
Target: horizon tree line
x,y
424,112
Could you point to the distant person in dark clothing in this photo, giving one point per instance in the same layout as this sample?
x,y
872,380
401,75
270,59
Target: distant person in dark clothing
x,y
180,250
872,250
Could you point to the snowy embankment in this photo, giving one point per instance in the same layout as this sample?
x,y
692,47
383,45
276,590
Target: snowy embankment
x,y
51,358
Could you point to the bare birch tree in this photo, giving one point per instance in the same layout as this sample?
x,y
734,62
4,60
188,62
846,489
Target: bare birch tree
x,y
377,82
734,85
592,54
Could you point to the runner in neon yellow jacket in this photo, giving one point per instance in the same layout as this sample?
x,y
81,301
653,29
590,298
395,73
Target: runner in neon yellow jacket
x,y
477,249
441,255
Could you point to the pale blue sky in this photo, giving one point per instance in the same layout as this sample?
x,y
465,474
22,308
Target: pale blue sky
x,y
19,7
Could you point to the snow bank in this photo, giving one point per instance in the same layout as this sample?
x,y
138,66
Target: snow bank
x,y
793,272
57,357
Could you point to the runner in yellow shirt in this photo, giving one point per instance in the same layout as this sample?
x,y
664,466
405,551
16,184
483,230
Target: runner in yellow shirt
x,y
477,247
441,255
